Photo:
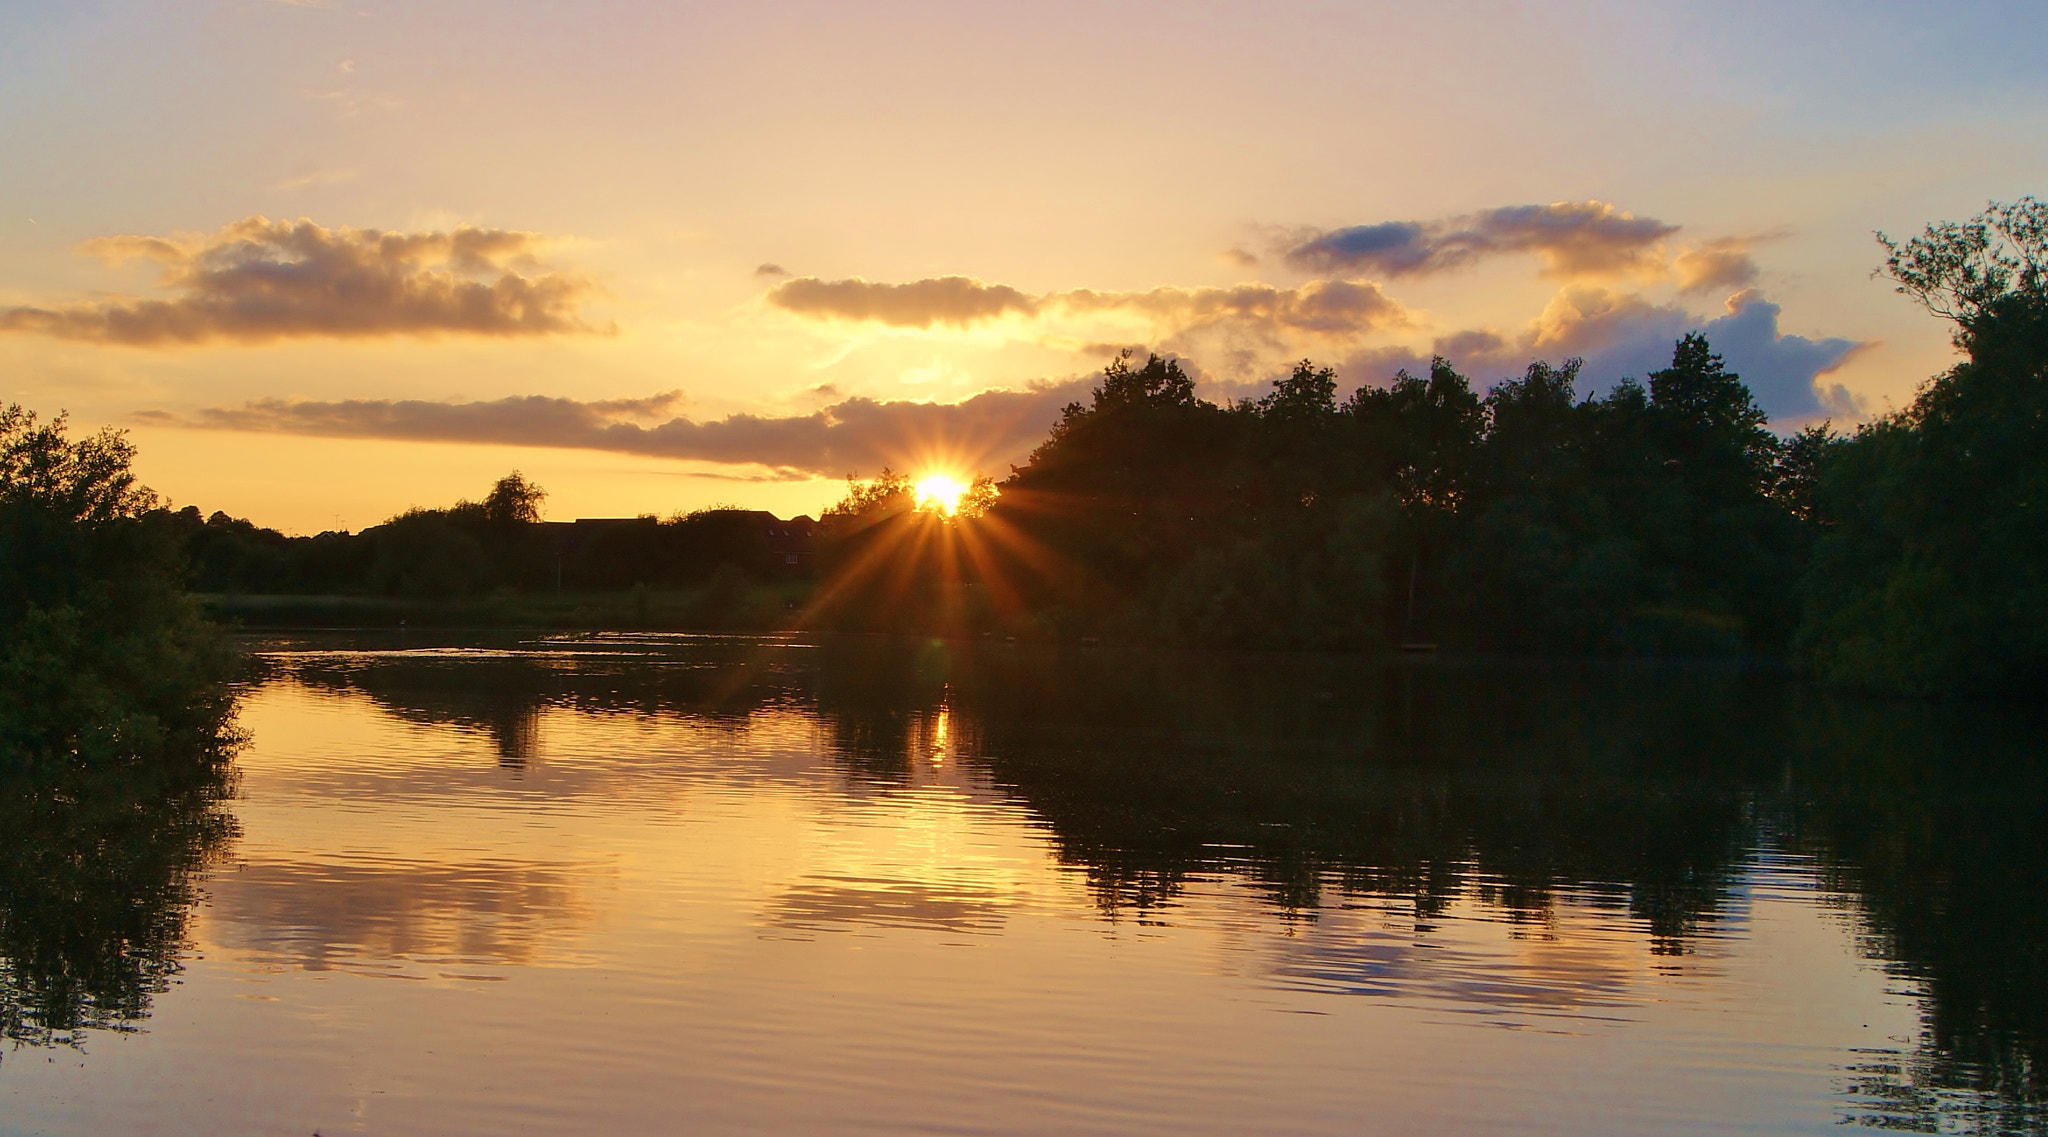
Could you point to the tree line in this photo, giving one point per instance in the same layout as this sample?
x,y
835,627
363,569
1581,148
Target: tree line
x,y
477,548
1662,517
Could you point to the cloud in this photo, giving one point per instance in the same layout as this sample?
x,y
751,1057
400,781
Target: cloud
x,y
1477,342
770,268
348,102
1330,308
1320,307
856,435
311,179
1574,238
1394,248
1620,334
955,300
1714,266
1588,321
1784,371
1237,258
258,280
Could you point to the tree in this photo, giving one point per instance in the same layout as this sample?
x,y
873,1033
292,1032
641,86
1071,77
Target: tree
x,y
866,502
1711,423
1796,481
1160,382
514,501
1421,433
1309,393
1974,271
1931,576
102,656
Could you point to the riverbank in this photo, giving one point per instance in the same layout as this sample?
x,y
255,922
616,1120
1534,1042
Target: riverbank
x,y
754,607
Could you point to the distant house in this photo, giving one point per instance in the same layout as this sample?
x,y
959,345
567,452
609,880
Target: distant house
x,y
789,542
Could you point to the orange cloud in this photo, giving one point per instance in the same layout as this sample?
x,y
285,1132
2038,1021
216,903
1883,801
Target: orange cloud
x,y
1320,307
258,280
955,300
853,435
1715,265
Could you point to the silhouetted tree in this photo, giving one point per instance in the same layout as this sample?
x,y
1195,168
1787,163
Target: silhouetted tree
x,y
102,656
867,502
1932,572
514,501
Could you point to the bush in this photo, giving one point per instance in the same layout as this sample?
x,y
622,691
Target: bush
x,y
102,655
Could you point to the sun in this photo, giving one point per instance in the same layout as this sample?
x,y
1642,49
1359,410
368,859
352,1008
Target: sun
x,y
940,493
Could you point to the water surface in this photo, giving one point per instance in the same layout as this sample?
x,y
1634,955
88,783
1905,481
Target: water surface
x,y
672,884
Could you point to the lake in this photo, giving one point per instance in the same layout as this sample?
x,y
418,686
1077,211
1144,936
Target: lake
x,y
643,884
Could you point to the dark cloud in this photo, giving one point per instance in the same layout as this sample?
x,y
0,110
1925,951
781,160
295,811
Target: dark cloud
x,y
1573,238
1472,344
955,300
860,435
1394,248
258,280
770,268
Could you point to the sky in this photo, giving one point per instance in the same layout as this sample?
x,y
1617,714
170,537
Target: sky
x,y
326,260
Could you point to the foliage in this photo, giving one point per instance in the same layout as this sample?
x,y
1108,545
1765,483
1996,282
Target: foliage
x,y
1971,272
1931,574
478,549
867,502
101,654
514,501
430,555
1530,519
979,497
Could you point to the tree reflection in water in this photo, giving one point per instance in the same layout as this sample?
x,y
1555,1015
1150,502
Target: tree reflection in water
x,y
1935,817
1649,789
99,872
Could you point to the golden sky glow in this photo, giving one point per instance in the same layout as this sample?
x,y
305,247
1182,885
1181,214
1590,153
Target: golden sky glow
x,y
327,261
